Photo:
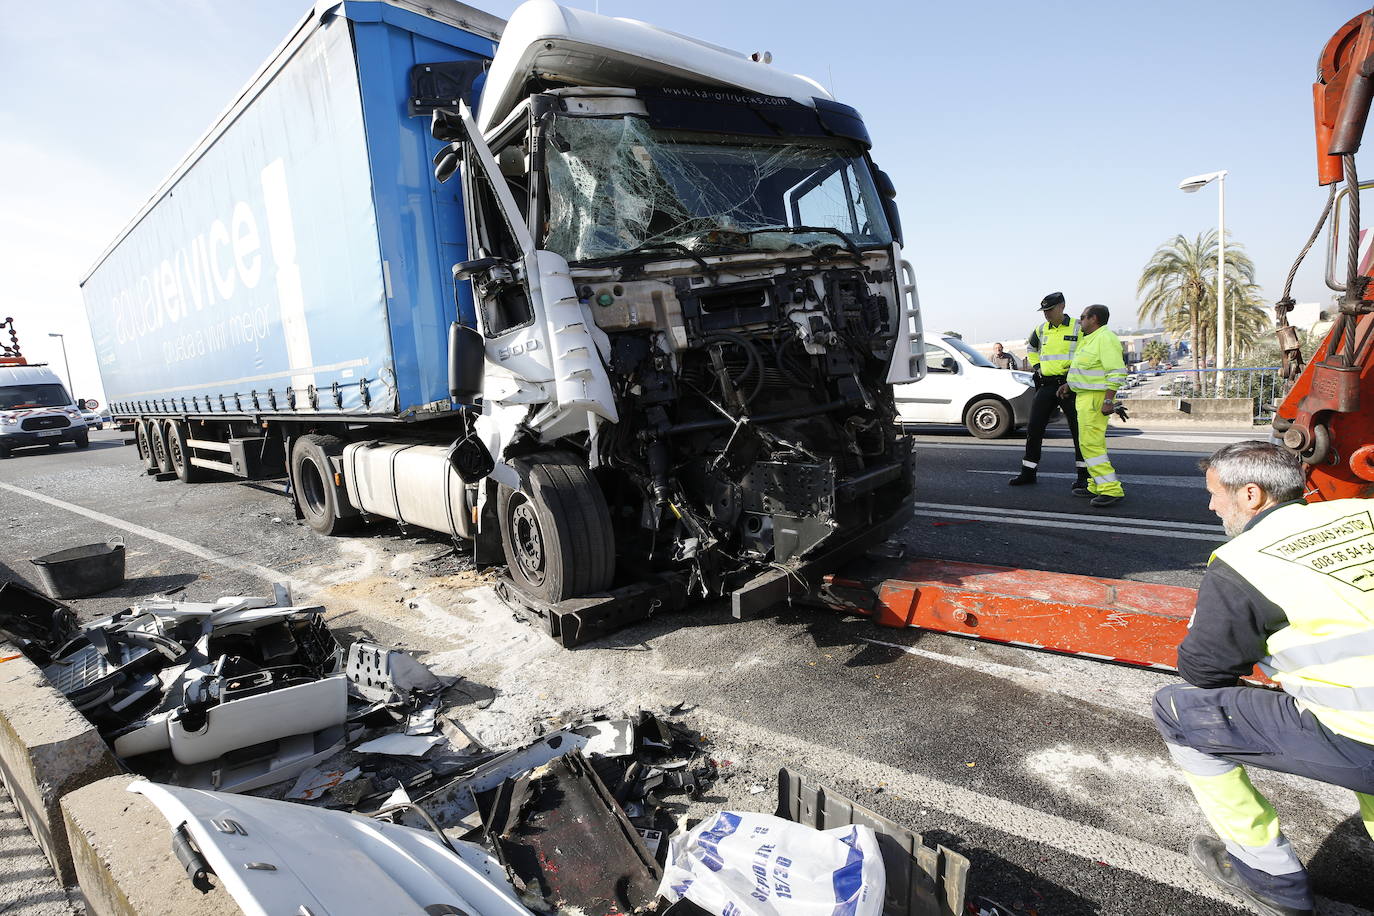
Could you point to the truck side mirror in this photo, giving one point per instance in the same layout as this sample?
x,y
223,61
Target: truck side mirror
x,y
467,355
887,194
446,125
446,161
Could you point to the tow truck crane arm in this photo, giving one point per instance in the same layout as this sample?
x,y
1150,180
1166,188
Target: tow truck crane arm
x,y
1321,418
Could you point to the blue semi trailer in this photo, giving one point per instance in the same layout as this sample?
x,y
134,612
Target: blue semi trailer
x,y
655,345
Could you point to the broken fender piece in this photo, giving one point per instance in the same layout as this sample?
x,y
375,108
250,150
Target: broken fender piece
x,y
278,857
562,837
400,745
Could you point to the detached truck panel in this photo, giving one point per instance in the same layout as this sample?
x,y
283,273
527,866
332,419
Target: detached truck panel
x,y
296,262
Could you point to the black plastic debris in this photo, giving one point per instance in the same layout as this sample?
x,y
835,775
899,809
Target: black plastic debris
x,y
34,623
566,844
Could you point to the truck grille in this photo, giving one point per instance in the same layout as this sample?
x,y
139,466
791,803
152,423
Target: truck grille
x,y
50,422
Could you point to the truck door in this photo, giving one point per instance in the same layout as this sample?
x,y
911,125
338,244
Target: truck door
x,y
542,346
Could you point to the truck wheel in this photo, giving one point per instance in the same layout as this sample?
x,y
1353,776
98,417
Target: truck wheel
x,y
157,432
83,440
988,418
556,532
143,435
324,503
179,453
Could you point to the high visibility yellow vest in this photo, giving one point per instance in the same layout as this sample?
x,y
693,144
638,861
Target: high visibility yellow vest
x,y
1316,562
1056,347
1097,364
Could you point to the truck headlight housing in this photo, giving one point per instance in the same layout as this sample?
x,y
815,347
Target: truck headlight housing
x,y
1025,378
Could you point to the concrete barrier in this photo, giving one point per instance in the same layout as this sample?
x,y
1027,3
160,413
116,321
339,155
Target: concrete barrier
x,y
1238,412
47,749
122,850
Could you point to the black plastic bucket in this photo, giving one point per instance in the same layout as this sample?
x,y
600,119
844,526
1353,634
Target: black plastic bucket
x,y
77,571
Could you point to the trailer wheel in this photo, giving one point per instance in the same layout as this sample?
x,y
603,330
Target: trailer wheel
x,y
144,438
179,453
158,435
556,531
989,418
323,503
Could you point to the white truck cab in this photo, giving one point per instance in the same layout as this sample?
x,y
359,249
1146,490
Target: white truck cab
x,y
963,386
37,409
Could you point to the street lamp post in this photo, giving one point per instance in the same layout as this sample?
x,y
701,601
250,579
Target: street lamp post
x,y
1188,186
66,364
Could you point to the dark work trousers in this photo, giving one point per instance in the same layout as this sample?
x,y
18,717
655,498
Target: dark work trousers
x,y
1042,408
1210,732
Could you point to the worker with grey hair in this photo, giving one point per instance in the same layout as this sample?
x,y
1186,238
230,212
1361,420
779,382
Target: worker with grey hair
x,y
1291,592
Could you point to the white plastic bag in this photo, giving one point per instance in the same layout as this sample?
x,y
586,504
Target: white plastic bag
x,y
744,864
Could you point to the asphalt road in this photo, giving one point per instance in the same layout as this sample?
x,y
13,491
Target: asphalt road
x,y
1044,770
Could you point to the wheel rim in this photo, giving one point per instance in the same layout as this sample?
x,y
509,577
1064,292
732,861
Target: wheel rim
x,y
159,448
986,418
174,450
312,488
528,541
143,444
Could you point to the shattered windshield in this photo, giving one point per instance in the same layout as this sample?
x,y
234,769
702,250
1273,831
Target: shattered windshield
x,y
617,184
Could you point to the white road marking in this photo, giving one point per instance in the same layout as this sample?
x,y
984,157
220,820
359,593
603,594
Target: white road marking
x,y
228,561
1034,515
1038,523
1154,863
1065,445
1143,480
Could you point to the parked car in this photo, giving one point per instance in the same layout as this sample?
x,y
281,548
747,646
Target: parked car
x,y
95,418
962,386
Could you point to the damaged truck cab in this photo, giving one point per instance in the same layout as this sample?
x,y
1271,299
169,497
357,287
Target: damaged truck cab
x,y
690,309
660,367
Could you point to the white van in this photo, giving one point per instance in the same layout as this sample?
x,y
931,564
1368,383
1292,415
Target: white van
x,y
963,386
35,409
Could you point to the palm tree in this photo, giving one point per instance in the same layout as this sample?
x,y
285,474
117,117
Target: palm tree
x,y
1155,352
1178,289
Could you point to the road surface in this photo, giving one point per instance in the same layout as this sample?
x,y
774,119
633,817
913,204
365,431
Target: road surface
x,y
1044,770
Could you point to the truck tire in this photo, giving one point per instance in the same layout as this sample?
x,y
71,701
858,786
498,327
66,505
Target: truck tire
x,y
179,453
83,440
323,503
157,433
988,418
556,531
144,437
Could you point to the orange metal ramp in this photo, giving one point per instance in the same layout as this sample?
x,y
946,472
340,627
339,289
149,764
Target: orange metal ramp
x,y
1134,623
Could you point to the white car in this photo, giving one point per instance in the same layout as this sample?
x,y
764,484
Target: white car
x,y
963,386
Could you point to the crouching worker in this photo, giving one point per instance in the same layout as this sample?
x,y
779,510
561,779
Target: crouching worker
x,y
1292,591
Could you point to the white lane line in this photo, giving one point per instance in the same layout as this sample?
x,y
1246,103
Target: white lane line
x,y
265,573
1081,526
1071,517
1154,863
1066,446
1144,480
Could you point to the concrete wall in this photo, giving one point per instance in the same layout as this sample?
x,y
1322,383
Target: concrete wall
x,y
122,850
47,749
1238,412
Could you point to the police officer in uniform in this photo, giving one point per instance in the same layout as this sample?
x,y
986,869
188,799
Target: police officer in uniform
x,y
1049,352
1293,592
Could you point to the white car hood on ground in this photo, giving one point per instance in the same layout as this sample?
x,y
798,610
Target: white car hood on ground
x,y
278,857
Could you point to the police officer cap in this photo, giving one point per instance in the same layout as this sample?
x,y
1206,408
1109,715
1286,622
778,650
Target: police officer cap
x,y
1051,301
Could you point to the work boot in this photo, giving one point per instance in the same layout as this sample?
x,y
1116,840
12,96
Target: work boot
x,y
1081,491
1103,501
1027,476
1211,858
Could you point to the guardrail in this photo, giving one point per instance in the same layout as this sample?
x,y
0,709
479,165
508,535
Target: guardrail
x,y
1262,385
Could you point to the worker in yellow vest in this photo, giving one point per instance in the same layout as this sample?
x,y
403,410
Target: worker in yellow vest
x,y
1048,350
1097,370
1293,592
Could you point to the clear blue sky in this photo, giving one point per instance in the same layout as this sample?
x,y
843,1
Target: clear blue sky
x,y
1035,146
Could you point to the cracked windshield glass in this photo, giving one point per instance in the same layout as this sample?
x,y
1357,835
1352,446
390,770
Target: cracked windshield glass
x,y
617,185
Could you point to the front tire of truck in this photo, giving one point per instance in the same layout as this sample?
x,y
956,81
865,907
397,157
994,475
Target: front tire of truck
x,y
323,503
556,531
179,453
83,440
